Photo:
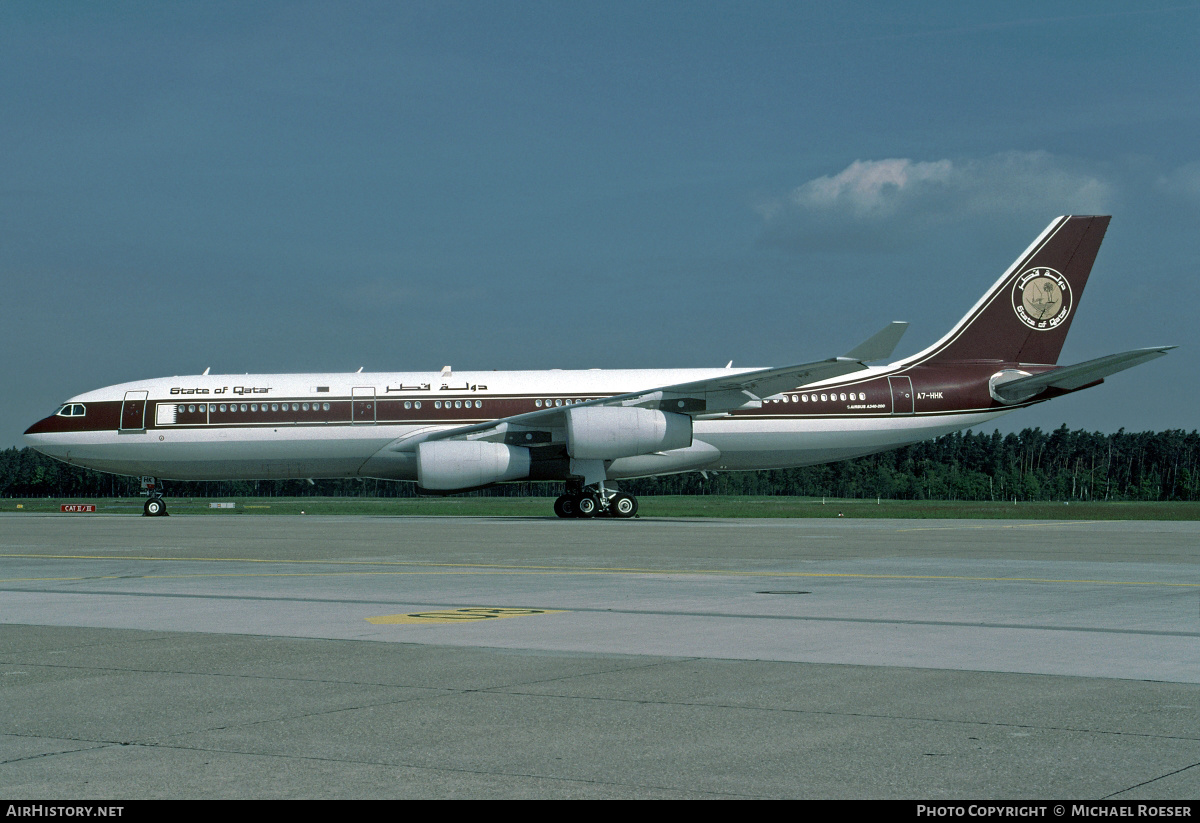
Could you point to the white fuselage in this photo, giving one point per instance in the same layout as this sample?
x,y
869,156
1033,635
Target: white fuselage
x,y
223,427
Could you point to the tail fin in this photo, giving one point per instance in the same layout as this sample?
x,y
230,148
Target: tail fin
x,y
1025,316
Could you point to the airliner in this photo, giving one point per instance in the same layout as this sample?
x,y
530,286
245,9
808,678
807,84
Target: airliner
x,y
454,431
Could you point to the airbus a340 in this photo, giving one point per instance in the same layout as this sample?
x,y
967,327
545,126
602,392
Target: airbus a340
x,y
455,431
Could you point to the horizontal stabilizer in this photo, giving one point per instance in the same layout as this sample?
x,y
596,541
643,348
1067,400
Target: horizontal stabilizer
x,y
1074,377
881,346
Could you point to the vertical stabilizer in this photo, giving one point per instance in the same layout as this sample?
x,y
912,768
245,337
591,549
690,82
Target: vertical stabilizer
x,y
1025,316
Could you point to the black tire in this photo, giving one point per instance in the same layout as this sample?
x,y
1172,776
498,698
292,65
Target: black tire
x,y
587,506
623,505
155,507
566,506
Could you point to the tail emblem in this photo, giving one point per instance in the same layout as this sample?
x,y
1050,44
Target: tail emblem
x,y
1041,298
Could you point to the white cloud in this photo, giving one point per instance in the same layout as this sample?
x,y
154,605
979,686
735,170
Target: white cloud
x,y
831,212
871,188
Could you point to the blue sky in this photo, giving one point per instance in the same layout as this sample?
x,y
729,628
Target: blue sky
x,y
323,186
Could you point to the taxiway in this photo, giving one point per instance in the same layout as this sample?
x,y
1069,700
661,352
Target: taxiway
x,y
246,656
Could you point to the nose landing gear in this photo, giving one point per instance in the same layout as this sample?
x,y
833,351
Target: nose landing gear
x,y
155,506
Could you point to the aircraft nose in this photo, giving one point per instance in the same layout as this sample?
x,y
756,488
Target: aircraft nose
x,y
40,436
40,427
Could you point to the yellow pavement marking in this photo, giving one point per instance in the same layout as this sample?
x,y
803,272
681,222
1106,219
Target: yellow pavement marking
x,y
456,616
416,567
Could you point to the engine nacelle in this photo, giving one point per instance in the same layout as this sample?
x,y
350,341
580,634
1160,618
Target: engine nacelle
x,y
1007,376
696,456
450,465
606,433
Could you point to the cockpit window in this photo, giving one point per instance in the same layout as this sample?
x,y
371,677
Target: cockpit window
x,y
72,410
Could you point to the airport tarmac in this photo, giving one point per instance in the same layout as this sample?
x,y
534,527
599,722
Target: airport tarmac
x,y
253,656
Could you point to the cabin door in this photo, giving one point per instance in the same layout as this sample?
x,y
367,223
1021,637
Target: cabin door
x,y
133,411
902,394
364,404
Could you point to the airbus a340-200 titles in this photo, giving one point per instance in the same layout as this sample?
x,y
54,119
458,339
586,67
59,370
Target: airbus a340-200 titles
x,y
457,431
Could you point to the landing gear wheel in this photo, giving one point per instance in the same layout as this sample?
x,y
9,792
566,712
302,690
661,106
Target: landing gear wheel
x,y
587,506
567,505
623,505
155,507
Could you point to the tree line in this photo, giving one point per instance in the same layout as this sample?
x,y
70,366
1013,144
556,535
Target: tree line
x,y
1032,465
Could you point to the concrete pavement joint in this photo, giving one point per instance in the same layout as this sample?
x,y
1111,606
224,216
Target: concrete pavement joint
x,y
1151,780
51,754
913,718
390,764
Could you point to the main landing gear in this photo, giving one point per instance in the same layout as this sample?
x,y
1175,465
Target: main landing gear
x,y
155,506
592,502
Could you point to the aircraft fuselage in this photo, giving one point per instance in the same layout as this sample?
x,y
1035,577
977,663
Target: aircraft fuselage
x,y
221,427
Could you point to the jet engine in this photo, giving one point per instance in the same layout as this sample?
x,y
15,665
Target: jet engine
x,y
451,465
606,433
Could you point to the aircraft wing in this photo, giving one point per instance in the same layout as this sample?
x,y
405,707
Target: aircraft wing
x,y
711,397
1076,376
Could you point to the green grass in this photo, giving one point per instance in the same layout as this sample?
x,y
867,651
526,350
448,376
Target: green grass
x,y
650,506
